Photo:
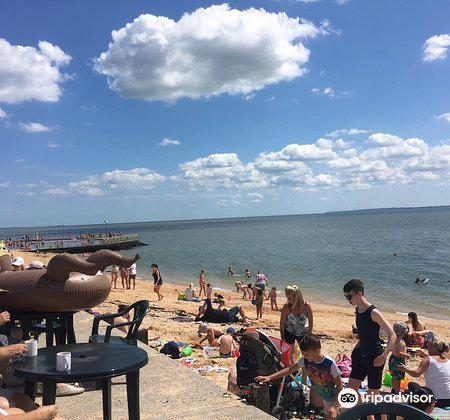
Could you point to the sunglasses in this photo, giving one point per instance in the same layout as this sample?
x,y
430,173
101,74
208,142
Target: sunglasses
x,y
349,296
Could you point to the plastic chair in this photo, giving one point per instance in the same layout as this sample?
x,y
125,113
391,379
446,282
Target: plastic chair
x,y
140,310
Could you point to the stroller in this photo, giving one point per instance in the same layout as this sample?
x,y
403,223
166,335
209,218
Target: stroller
x,y
264,355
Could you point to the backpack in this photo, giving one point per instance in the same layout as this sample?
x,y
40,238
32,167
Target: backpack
x,y
246,368
171,349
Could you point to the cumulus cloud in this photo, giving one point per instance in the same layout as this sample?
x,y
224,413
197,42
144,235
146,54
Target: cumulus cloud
x,y
436,47
97,185
445,117
169,142
255,197
3,114
390,146
345,131
28,73
33,127
208,52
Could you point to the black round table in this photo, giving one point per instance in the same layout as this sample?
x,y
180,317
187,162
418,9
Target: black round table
x,y
90,362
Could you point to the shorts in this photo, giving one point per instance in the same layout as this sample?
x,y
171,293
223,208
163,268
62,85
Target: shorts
x,y
232,314
362,367
291,338
159,283
394,361
132,276
262,286
226,356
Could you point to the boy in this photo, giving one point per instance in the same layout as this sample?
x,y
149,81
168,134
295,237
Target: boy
x,y
322,371
368,356
398,356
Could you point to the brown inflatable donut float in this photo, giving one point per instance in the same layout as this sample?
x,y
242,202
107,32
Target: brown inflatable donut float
x,y
68,284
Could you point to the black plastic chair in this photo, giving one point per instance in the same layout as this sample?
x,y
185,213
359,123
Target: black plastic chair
x,y
392,410
140,310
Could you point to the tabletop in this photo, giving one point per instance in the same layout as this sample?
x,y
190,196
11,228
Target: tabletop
x,y
89,361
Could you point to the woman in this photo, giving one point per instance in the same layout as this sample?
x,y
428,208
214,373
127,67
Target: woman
x,y
114,275
414,321
436,370
202,282
261,282
157,281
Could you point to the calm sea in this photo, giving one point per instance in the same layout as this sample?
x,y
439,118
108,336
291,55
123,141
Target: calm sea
x,y
317,252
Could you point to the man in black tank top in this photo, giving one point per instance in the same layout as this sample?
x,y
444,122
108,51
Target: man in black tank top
x,y
368,356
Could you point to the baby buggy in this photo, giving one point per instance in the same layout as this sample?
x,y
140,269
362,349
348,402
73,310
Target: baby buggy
x,y
264,355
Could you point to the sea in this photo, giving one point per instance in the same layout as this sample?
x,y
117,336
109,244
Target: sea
x,y
317,252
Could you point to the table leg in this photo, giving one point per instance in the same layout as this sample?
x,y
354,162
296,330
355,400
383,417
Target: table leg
x,y
30,389
49,331
106,394
61,333
71,339
133,395
48,393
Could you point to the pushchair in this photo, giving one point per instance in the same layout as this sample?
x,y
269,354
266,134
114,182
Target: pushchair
x,y
264,355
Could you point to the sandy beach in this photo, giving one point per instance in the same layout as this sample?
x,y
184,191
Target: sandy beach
x,y
172,319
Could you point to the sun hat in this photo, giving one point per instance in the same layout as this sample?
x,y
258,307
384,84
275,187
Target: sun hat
x,y
202,328
18,261
400,328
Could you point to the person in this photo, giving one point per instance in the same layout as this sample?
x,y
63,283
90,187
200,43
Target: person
x,y
18,264
247,274
114,275
413,320
123,319
190,292
132,276
208,291
230,272
398,356
425,399
202,282
227,344
259,300
273,299
157,281
261,282
206,313
436,369
217,338
322,371
48,412
368,356
124,276
395,253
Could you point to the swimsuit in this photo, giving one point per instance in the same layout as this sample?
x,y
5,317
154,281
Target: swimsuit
x,y
394,361
157,279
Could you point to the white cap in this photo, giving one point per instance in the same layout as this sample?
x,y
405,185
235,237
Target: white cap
x,y
18,261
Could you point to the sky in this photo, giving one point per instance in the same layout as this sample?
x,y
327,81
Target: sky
x,y
160,110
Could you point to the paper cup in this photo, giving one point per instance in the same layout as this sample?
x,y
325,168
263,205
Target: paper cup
x,y
32,348
63,361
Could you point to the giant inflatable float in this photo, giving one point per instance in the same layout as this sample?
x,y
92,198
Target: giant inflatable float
x,y
69,283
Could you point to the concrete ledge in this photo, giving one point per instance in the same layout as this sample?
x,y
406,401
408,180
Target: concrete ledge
x,y
168,390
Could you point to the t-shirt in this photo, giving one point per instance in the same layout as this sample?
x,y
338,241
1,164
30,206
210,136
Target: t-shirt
x,y
133,269
322,374
189,294
261,279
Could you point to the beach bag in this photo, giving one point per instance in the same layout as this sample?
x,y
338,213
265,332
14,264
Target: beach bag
x,y
246,368
171,349
345,365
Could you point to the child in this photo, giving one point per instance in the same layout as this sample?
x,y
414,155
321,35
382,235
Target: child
x,y
259,299
273,299
398,356
250,291
208,291
322,371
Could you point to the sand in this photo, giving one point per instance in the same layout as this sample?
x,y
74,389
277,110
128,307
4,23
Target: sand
x,y
332,322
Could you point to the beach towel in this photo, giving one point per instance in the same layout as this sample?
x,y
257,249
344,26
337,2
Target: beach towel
x,y
345,365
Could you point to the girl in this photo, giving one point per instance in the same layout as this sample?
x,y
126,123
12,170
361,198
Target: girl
x,y
398,356
202,282
273,299
414,321
114,275
208,291
259,299
157,281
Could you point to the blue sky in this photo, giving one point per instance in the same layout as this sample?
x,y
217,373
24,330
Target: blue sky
x,y
196,109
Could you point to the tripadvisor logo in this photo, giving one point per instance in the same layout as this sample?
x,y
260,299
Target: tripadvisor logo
x,y
348,398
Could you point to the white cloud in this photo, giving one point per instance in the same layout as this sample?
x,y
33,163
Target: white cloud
x,y
28,73
255,197
52,145
32,127
445,116
328,91
389,146
3,114
344,131
97,185
5,184
436,47
169,142
301,153
341,2
227,202
211,51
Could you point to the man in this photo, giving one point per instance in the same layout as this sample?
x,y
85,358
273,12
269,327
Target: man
x,y
217,338
206,313
368,356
